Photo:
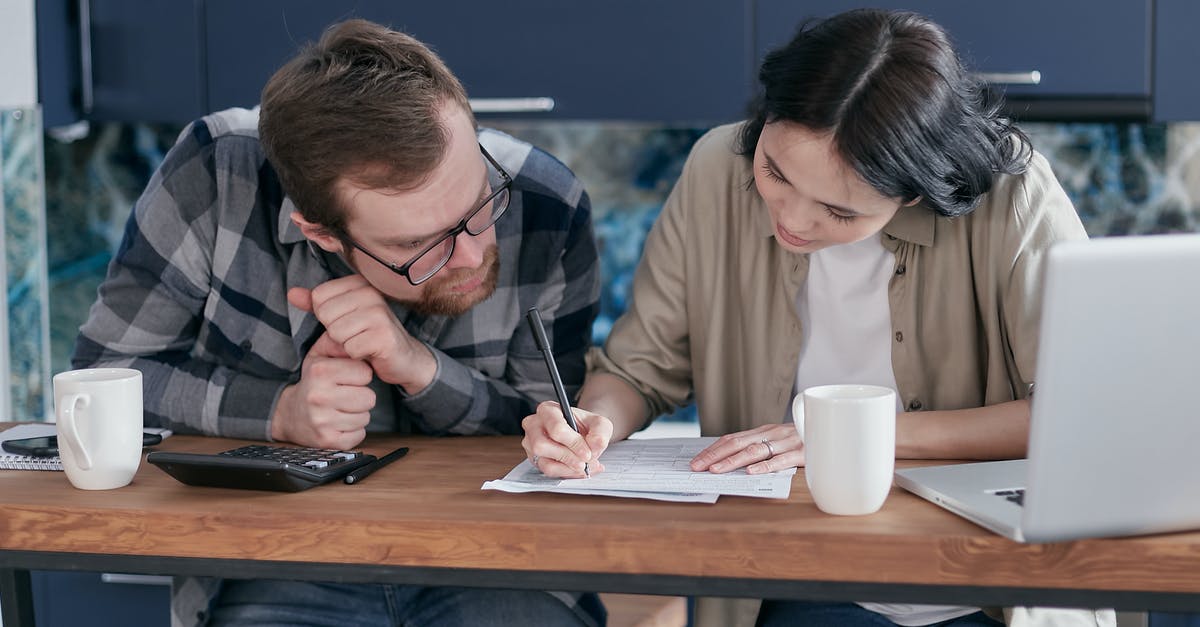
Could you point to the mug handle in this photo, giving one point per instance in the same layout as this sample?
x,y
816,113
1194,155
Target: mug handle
x,y
69,428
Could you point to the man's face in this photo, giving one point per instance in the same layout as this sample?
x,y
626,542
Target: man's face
x,y
395,225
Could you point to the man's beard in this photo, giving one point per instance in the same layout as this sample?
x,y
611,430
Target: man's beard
x,y
438,299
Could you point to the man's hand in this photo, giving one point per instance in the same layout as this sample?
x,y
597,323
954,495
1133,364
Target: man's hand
x,y
356,316
330,406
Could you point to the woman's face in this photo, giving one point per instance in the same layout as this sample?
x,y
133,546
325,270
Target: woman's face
x,y
815,199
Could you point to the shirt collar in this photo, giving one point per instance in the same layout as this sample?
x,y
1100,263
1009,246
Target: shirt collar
x,y
913,224
289,233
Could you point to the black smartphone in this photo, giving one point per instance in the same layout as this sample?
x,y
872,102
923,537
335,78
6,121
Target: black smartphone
x,y
47,446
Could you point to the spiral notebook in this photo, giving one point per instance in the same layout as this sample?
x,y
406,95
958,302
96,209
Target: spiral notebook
x,y
10,461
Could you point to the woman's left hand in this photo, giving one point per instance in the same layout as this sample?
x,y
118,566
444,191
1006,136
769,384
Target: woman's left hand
x,y
764,449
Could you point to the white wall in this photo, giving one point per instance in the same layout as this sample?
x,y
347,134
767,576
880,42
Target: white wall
x,y
18,55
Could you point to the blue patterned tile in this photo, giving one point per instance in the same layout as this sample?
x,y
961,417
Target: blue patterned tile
x,y
1123,179
25,262
91,185
1126,179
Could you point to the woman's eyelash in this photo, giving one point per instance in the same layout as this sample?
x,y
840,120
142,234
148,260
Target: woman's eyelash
x,y
839,217
771,173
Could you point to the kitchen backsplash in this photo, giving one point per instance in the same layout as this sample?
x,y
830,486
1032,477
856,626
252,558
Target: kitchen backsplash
x,y
22,197
1123,178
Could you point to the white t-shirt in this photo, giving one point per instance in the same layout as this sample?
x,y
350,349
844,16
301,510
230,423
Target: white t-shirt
x,y
847,331
845,300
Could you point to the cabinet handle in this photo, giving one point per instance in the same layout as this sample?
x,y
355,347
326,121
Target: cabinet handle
x,y
86,97
511,105
141,580
1032,77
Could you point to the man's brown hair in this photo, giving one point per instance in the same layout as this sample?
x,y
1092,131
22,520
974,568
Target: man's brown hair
x,y
363,103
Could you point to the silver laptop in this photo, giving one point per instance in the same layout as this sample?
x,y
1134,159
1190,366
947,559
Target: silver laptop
x,y
1114,443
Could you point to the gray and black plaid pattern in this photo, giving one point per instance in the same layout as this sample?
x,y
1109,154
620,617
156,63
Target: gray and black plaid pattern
x,y
195,297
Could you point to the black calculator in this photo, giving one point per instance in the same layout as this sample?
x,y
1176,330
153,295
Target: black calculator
x,y
261,467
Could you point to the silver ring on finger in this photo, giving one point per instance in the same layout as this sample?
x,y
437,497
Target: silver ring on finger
x,y
770,449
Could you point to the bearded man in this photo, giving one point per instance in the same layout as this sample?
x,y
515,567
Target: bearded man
x,y
353,256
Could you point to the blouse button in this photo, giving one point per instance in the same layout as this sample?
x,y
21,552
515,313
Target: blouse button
x,y
915,405
899,336
900,269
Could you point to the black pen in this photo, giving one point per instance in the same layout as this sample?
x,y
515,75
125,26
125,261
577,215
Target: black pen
x,y
539,336
365,471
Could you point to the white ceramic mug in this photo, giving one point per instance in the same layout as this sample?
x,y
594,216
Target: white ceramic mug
x,y
99,412
849,434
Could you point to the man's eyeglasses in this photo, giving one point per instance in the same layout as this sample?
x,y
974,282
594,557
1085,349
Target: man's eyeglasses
x,y
423,265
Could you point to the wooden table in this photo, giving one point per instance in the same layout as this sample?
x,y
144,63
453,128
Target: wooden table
x,y
424,519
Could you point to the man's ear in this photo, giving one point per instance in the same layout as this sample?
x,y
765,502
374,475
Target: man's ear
x,y
317,234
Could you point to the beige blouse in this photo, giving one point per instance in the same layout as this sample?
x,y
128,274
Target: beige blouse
x,y
713,304
713,314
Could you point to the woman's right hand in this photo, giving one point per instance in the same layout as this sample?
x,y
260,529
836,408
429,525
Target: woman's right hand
x,y
556,449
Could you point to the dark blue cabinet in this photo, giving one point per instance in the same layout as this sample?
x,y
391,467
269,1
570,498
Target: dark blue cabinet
x,y
121,60
68,599
1176,59
1092,59
674,61
669,60
146,60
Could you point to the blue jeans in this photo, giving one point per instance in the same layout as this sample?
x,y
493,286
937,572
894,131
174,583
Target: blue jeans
x,y
267,603
818,614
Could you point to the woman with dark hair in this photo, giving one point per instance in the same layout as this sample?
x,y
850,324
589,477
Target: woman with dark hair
x,y
909,220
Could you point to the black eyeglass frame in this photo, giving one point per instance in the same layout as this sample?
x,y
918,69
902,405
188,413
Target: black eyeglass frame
x,y
452,234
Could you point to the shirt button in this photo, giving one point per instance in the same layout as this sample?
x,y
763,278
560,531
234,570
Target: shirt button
x,y
899,336
915,405
900,269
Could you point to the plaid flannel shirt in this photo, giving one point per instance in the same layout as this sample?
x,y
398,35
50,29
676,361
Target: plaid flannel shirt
x,y
196,296
195,299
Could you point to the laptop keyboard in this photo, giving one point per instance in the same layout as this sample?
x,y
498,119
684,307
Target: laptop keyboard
x,y
1016,495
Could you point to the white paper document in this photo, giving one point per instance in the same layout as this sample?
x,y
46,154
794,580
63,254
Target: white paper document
x,y
652,468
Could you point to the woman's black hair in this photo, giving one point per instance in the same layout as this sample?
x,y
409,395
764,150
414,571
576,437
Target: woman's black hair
x,y
903,113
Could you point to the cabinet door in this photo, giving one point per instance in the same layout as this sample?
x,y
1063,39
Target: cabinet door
x,y
69,599
1081,48
1176,58
669,60
145,62
58,63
